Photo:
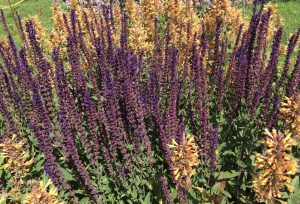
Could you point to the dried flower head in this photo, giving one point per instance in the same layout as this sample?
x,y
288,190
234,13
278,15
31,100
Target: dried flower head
x,y
274,165
290,111
17,162
40,194
184,158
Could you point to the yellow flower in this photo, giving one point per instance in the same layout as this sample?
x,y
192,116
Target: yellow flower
x,y
275,20
274,165
231,17
151,9
290,112
184,158
40,194
137,34
17,162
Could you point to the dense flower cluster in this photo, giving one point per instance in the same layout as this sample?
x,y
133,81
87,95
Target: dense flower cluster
x,y
39,193
17,163
184,158
108,103
180,17
275,165
222,10
290,110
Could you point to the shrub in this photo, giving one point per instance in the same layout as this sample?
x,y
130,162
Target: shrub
x,y
110,121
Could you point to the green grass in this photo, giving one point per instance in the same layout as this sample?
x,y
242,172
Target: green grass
x,y
289,11
41,8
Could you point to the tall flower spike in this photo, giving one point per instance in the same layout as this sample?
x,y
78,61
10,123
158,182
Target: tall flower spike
x,y
265,85
274,165
165,189
184,159
294,80
213,143
290,111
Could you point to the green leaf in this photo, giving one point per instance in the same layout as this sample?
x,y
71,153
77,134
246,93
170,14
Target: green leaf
x,y
134,193
1,159
215,189
84,201
243,186
223,200
241,163
295,183
226,193
147,199
3,199
39,166
228,153
294,199
193,194
243,200
68,175
79,191
228,175
90,86
173,193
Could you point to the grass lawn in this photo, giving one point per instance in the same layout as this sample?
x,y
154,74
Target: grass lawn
x,y
41,8
289,11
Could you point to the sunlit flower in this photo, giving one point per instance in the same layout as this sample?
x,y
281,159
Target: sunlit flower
x,y
17,163
222,10
275,21
40,194
290,112
274,165
138,38
184,158
151,9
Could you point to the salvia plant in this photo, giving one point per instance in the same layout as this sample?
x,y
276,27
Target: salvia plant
x,y
88,116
